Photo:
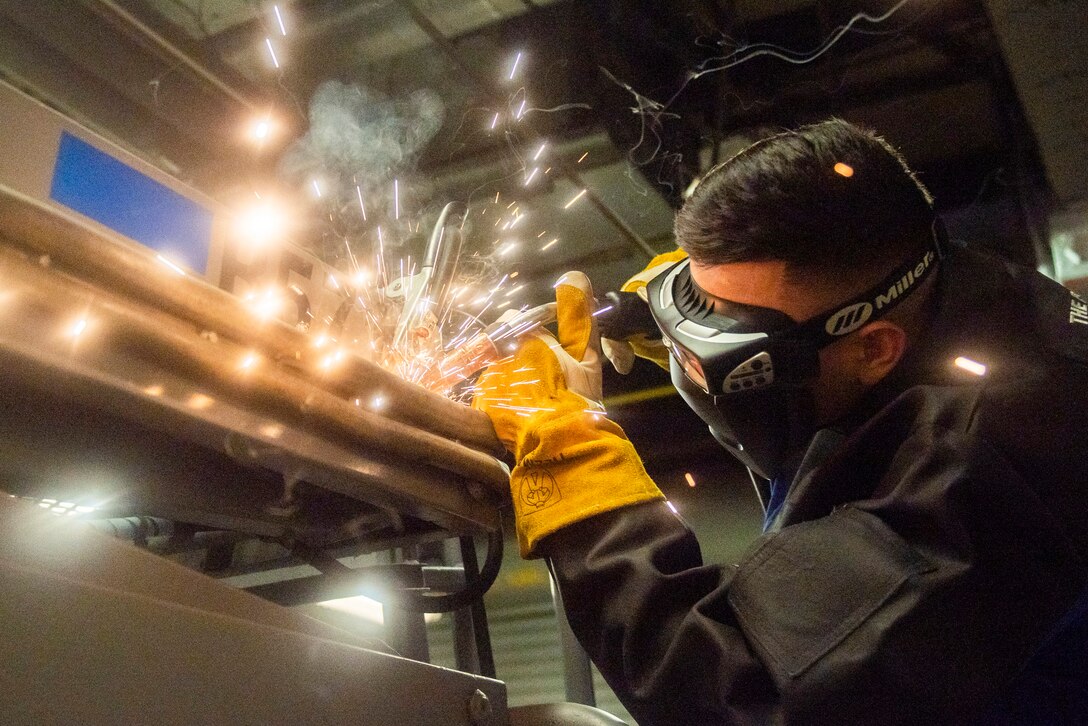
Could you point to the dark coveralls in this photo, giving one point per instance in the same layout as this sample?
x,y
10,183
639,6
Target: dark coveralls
x,y
925,566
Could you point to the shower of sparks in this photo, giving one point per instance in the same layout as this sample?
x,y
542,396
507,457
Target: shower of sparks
x,y
332,359
249,361
78,328
279,19
580,158
173,266
272,52
524,409
266,304
261,129
576,197
362,207
433,329
381,254
689,479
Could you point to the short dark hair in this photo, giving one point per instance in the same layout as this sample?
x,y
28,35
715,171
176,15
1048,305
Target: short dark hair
x,y
830,197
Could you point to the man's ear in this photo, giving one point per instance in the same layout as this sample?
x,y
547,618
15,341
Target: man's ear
x,y
881,345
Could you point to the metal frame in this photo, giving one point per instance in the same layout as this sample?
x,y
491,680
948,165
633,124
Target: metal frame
x,y
117,635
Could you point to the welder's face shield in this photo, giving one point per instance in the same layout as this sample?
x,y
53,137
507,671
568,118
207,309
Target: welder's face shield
x,y
748,370
739,368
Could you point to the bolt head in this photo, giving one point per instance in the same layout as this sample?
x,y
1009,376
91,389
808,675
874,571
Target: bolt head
x,y
479,708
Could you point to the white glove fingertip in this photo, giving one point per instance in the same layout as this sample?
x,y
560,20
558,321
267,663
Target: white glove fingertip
x,y
620,354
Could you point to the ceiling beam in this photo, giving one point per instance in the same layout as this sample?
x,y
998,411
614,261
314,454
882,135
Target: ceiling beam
x,y
134,27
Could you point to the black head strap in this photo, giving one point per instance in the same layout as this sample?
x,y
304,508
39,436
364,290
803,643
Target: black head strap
x,y
877,301
707,309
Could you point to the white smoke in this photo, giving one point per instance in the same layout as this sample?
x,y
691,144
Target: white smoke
x,y
357,136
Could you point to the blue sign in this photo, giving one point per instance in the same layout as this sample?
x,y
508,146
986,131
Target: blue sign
x,y
107,190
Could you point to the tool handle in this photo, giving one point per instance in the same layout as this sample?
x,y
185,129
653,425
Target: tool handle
x,y
629,316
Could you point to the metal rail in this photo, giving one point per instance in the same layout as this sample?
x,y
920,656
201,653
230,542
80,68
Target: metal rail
x,y
267,387
110,264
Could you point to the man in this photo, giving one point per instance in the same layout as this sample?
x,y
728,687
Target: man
x,y
919,411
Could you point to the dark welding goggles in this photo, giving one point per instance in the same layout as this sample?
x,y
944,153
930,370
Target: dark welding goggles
x,y
745,369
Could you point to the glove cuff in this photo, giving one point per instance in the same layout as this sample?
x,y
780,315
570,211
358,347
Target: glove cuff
x,y
571,468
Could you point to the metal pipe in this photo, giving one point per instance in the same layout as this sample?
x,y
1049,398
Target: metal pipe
x,y
464,642
121,267
134,529
485,658
269,387
406,631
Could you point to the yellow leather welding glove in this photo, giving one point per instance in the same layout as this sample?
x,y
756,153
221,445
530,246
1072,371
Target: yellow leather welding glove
x,y
622,353
544,401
